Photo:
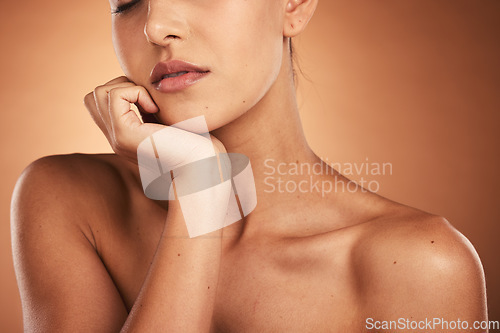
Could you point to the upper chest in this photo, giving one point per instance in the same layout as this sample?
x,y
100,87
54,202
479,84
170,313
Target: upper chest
x,y
285,288
303,285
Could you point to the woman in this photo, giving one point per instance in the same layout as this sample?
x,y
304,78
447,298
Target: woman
x,y
94,254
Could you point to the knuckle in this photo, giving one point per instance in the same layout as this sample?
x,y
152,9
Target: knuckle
x,y
113,93
100,88
100,91
88,100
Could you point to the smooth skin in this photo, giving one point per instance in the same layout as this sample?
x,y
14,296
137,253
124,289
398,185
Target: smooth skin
x,y
93,254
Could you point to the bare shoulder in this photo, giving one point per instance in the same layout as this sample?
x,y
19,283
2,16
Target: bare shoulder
x,y
67,195
415,264
62,280
82,170
75,182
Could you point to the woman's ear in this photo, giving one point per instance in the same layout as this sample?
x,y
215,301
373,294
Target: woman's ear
x,y
297,15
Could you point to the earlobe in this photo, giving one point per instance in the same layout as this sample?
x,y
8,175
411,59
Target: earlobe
x,y
298,13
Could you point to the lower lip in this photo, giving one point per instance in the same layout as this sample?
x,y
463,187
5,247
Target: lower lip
x,y
178,83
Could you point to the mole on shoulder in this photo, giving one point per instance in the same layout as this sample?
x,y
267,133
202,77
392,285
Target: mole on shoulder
x,y
394,262
432,242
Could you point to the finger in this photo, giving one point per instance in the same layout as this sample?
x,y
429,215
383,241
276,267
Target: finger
x,y
120,113
90,104
149,118
101,95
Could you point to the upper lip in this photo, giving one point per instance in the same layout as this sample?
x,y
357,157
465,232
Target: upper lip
x,y
173,66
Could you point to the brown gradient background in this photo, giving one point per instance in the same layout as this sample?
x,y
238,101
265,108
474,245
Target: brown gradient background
x,y
411,82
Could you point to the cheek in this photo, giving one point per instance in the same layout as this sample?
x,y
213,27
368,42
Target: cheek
x,y
128,40
251,49
241,40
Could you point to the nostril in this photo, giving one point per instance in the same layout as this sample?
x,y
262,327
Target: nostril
x,y
155,34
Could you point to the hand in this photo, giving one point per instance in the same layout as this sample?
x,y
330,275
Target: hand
x,y
109,106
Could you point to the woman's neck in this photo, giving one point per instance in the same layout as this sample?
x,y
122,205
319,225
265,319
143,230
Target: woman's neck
x,y
271,128
269,133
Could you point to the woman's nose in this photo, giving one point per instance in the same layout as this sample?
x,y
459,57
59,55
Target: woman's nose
x,y
164,23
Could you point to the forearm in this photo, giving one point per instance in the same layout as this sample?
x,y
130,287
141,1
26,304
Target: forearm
x,y
179,290
178,293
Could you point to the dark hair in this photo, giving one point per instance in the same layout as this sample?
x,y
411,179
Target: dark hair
x,y
296,65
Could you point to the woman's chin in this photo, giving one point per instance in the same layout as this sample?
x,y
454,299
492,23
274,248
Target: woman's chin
x,y
214,120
